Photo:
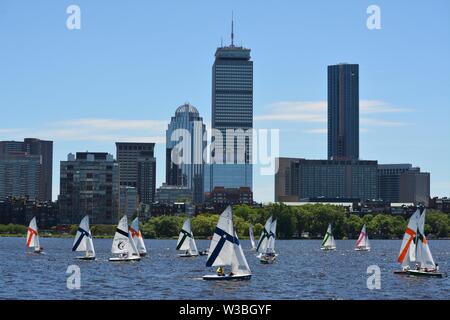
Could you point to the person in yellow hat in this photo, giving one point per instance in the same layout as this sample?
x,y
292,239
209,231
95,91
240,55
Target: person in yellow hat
x,y
220,271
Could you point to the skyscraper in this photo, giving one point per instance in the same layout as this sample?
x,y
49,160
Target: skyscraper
x,y
343,112
185,138
137,167
39,148
232,118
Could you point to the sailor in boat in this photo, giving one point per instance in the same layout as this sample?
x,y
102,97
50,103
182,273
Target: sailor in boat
x,y
220,272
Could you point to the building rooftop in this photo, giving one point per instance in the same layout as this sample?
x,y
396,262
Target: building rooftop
x,y
186,108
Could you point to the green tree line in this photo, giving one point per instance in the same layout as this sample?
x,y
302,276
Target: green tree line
x,y
312,219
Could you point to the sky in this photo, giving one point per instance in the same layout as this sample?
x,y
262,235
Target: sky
x,y
122,75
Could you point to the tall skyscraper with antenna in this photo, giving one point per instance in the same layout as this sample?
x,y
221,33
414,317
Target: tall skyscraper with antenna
x,y
232,118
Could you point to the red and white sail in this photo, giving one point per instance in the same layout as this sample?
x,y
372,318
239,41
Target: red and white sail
x,y
363,240
33,235
136,235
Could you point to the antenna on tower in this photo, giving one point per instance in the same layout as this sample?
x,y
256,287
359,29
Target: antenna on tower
x,y
232,28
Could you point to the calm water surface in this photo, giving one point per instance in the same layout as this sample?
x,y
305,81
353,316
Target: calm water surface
x,y
302,271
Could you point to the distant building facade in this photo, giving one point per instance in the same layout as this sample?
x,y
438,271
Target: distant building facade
x,y
128,201
21,210
20,175
185,145
343,112
415,187
169,194
137,167
298,179
230,196
232,113
34,148
89,185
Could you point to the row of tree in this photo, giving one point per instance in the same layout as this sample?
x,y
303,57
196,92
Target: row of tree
x,y
312,219
293,222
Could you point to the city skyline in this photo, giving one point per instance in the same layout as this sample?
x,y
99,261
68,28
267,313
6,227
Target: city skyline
x,y
92,115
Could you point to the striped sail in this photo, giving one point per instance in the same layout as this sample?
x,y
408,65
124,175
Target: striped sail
x,y
271,243
265,236
123,243
33,235
83,238
363,239
408,248
328,240
136,235
186,240
221,250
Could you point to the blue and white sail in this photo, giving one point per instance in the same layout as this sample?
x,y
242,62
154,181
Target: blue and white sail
x,y
225,248
423,253
271,243
186,241
265,236
83,239
123,244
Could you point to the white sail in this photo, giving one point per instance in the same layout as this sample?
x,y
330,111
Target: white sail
x,y
186,240
123,243
408,249
423,253
33,235
137,236
264,238
363,239
239,265
221,250
83,238
271,243
328,240
252,238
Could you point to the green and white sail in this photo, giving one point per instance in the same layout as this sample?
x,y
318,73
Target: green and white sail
x,y
328,241
265,236
186,241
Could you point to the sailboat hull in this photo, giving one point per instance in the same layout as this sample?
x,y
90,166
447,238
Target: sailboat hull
x,y
125,259
215,277
328,249
362,249
433,274
186,255
85,258
401,272
142,254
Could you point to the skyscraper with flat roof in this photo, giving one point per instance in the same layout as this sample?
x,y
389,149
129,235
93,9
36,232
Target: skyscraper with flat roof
x,y
137,167
232,118
343,112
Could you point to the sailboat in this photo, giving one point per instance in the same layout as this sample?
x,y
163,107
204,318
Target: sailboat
x,y
407,253
33,237
83,240
136,235
252,238
225,250
264,238
328,242
425,262
269,255
123,247
186,241
363,244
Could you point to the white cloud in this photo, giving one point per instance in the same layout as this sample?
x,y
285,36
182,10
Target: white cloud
x,y
95,130
316,111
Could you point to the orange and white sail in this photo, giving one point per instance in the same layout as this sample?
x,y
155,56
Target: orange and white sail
x,y
408,248
33,235
136,235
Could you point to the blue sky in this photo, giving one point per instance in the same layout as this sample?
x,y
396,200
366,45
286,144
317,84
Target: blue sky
x,y
124,73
